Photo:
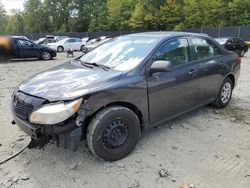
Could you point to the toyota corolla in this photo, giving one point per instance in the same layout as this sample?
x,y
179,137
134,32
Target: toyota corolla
x,y
112,94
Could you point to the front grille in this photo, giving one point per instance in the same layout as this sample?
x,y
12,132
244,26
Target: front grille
x,y
23,110
24,104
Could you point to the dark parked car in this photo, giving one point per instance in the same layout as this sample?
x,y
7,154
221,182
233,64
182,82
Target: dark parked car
x,y
234,44
123,87
16,48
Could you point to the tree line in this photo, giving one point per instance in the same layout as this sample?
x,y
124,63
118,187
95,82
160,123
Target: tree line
x,y
117,15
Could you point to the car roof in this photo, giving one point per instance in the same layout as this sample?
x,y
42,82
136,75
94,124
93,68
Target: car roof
x,y
166,34
18,37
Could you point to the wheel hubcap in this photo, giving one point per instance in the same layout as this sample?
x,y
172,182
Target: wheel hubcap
x,y
115,134
226,92
46,55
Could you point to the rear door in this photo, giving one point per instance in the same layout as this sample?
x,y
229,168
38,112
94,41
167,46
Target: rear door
x,y
212,67
170,93
68,44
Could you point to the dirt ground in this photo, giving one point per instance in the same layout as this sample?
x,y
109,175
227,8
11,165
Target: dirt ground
x,y
209,148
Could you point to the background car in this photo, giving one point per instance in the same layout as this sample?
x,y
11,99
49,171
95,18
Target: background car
x,y
234,44
58,38
45,41
17,47
86,39
66,44
93,43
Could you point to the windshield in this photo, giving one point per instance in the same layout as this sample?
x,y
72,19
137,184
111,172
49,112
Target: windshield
x,y
91,41
63,40
40,40
122,53
221,40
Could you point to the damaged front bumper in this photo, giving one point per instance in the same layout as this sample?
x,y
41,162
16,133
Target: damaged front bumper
x,y
67,135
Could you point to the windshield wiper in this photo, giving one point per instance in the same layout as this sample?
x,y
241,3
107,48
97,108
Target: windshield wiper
x,y
104,67
83,63
90,65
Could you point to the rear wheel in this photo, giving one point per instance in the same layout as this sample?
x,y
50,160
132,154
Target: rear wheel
x,y
225,94
113,133
46,56
60,49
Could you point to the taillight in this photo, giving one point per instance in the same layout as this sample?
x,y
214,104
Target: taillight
x,y
239,60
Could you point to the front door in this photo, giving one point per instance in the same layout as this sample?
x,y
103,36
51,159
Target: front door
x,y
173,92
27,49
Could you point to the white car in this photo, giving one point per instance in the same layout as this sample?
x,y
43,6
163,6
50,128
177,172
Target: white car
x,y
67,44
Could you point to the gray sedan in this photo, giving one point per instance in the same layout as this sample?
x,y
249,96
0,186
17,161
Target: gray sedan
x,y
121,88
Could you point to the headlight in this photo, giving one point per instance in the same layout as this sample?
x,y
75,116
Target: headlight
x,y
55,113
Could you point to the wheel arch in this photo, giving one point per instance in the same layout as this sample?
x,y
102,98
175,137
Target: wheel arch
x,y
232,77
60,46
128,105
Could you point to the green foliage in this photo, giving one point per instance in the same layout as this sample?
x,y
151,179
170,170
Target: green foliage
x,y
170,15
240,12
3,19
15,23
137,21
107,15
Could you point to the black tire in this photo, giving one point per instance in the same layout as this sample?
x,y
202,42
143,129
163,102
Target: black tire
x,y
46,56
223,98
242,53
103,127
82,48
60,49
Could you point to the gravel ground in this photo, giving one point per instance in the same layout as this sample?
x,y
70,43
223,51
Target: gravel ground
x,y
209,148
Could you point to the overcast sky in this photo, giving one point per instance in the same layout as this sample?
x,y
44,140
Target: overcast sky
x,y
12,4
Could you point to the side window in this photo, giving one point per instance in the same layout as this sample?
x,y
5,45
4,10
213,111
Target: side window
x,y
204,48
24,42
176,51
72,40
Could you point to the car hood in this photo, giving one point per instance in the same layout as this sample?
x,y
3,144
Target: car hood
x,y
68,81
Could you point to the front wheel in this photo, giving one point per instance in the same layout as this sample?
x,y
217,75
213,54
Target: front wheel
x,y
225,94
60,49
46,56
113,133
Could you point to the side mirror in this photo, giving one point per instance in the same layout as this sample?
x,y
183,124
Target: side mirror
x,y
160,66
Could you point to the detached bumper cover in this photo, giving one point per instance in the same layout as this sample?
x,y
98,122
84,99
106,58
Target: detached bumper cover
x,y
29,129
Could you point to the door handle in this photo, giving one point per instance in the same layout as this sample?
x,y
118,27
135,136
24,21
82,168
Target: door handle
x,y
192,72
